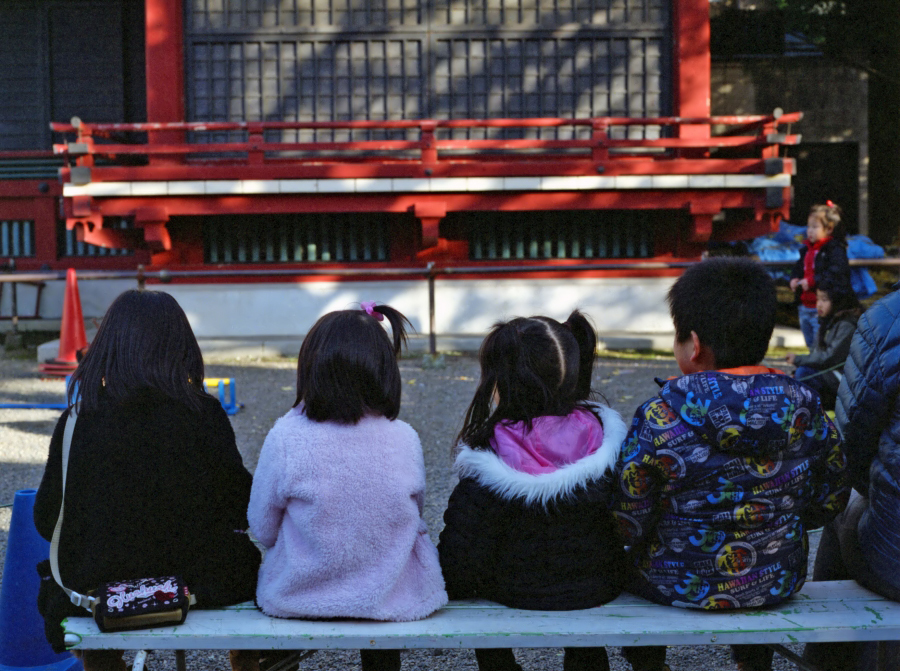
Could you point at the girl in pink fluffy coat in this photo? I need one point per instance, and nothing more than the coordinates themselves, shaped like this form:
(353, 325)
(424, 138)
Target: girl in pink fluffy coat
(338, 492)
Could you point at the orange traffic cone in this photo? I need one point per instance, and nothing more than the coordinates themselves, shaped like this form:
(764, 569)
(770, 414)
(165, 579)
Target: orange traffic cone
(72, 338)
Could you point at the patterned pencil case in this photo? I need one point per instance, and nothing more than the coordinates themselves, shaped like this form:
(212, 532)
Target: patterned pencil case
(139, 604)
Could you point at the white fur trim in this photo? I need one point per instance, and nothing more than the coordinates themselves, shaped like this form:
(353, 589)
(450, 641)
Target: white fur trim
(505, 481)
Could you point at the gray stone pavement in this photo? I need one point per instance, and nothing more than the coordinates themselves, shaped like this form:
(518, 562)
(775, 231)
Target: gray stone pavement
(434, 401)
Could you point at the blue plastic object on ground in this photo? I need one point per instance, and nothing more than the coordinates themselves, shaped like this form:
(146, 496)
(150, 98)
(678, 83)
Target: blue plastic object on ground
(22, 641)
(220, 387)
(40, 406)
(217, 387)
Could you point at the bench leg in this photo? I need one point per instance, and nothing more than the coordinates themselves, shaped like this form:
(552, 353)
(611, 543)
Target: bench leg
(801, 663)
(291, 662)
(139, 660)
(180, 662)
(888, 655)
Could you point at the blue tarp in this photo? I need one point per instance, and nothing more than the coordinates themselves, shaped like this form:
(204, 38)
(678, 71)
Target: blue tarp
(786, 243)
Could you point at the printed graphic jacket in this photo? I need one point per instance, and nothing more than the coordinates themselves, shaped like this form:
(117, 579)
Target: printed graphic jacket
(867, 413)
(536, 533)
(720, 478)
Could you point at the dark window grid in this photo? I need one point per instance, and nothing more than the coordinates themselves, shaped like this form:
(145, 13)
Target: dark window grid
(16, 238)
(412, 101)
(543, 236)
(319, 238)
(236, 15)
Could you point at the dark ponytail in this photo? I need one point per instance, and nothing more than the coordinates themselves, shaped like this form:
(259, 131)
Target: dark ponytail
(347, 367)
(398, 323)
(537, 366)
(586, 338)
(498, 354)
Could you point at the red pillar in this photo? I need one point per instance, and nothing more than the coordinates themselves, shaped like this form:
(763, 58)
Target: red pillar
(165, 65)
(691, 63)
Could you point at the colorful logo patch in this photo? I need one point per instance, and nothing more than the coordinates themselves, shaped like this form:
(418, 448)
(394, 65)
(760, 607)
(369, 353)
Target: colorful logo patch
(754, 514)
(721, 602)
(661, 415)
(736, 559)
(785, 585)
(693, 587)
(800, 422)
(729, 437)
(707, 540)
(631, 448)
(636, 481)
(672, 463)
(762, 467)
(836, 459)
(727, 491)
(694, 412)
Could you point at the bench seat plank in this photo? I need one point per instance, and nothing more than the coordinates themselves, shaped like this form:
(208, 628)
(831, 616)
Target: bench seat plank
(829, 611)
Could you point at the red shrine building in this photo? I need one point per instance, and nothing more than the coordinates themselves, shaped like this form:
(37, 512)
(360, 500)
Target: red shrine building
(281, 158)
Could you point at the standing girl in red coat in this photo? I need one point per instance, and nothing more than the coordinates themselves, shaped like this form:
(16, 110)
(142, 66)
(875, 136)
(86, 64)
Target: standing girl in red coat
(822, 259)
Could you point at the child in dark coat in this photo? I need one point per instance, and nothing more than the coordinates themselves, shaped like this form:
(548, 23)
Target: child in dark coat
(529, 524)
(724, 471)
(822, 369)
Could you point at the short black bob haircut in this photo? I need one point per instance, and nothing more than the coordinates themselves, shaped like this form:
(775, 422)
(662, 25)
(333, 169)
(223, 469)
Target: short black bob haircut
(841, 295)
(843, 302)
(537, 366)
(347, 366)
(144, 342)
(730, 304)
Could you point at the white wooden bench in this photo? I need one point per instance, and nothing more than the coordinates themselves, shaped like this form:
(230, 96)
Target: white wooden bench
(825, 611)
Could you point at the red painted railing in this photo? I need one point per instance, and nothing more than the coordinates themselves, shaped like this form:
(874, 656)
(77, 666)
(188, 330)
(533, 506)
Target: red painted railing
(601, 143)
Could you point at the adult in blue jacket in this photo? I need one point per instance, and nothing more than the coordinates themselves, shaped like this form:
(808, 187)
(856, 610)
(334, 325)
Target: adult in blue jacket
(863, 542)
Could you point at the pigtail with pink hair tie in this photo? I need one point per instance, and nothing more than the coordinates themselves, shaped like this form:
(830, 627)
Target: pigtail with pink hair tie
(369, 307)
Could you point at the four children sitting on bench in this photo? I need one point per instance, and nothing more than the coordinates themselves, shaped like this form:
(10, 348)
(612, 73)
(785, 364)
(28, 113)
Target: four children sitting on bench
(714, 487)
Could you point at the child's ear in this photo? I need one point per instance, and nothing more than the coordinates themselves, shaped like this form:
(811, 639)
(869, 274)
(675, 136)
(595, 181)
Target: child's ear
(697, 346)
(701, 355)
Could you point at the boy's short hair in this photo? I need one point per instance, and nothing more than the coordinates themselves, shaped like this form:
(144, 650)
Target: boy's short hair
(730, 304)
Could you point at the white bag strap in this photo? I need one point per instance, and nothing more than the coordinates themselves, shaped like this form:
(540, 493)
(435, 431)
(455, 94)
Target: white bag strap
(81, 600)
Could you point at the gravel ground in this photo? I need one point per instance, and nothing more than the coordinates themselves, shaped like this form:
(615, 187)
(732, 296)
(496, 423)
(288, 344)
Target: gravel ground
(434, 401)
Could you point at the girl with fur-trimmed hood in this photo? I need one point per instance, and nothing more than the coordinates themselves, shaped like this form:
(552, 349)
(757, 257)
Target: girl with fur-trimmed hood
(528, 525)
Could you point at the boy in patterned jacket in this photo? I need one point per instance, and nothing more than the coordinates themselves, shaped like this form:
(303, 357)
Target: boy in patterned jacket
(722, 474)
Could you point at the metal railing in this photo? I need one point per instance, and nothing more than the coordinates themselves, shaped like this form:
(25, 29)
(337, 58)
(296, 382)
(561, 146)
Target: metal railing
(430, 272)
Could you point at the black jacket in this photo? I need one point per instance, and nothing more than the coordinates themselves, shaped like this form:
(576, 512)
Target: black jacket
(830, 265)
(868, 414)
(541, 542)
(153, 489)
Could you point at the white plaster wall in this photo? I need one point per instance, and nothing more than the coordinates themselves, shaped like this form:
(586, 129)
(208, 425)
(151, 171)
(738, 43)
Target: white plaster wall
(635, 305)
(462, 307)
(271, 311)
(289, 309)
(96, 295)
